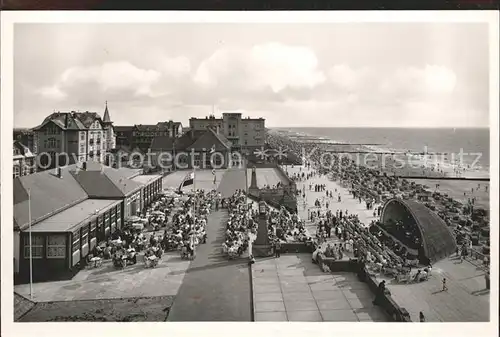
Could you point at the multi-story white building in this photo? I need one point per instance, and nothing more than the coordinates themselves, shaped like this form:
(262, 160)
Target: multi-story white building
(74, 137)
(244, 132)
(24, 160)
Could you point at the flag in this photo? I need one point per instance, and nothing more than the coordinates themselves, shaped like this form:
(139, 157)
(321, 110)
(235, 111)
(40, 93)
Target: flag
(188, 180)
(212, 150)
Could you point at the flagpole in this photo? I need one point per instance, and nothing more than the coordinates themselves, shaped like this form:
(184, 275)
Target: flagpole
(31, 246)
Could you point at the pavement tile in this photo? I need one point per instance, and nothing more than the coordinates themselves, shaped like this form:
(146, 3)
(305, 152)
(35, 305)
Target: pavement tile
(266, 288)
(323, 286)
(290, 296)
(300, 305)
(304, 316)
(374, 314)
(358, 293)
(355, 285)
(259, 273)
(339, 316)
(295, 288)
(269, 306)
(290, 272)
(360, 303)
(272, 316)
(328, 295)
(336, 304)
(266, 280)
(293, 280)
(319, 278)
(268, 297)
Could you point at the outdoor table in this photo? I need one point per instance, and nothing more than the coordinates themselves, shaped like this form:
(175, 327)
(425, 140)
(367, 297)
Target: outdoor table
(97, 261)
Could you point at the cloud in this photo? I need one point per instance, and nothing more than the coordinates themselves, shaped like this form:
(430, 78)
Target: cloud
(112, 77)
(52, 92)
(272, 65)
(431, 80)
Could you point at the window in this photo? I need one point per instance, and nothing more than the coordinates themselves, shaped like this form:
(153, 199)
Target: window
(50, 143)
(36, 246)
(113, 217)
(16, 171)
(100, 224)
(85, 234)
(82, 136)
(76, 241)
(56, 246)
(106, 220)
(93, 231)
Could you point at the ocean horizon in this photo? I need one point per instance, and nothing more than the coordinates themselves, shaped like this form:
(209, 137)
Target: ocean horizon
(473, 142)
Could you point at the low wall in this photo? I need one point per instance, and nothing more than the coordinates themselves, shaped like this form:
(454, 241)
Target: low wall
(393, 310)
(296, 247)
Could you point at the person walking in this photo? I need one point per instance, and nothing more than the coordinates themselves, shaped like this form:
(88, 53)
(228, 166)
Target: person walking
(445, 288)
(277, 248)
(421, 317)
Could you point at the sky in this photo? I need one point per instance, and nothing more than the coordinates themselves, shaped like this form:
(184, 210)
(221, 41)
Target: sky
(308, 75)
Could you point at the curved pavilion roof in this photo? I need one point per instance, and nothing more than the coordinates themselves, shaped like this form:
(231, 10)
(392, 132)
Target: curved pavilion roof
(438, 240)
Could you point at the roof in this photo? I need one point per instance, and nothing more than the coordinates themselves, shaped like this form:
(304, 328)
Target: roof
(74, 216)
(71, 120)
(162, 143)
(100, 181)
(187, 138)
(210, 139)
(146, 179)
(24, 150)
(49, 194)
(438, 240)
(106, 118)
(124, 128)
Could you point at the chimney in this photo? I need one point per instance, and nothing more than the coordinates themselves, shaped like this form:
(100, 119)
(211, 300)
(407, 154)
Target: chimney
(217, 129)
(59, 172)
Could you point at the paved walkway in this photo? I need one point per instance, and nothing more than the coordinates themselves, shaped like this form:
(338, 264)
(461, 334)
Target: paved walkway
(467, 300)
(292, 288)
(107, 282)
(214, 289)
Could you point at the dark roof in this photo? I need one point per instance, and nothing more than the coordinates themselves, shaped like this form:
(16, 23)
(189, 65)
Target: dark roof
(438, 240)
(162, 143)
(210, 139)
(100, 181)
(124, 128)
(71, 120)
(49, 194)
(187, 138)
(23, 149)
(106, 118)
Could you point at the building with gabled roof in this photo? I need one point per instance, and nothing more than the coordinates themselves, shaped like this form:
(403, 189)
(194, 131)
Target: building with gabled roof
(73, 208)
(65, 138)
(24, 161)
(204, 149)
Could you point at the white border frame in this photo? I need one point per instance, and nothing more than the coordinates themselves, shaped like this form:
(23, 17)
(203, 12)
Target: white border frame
(8, 19)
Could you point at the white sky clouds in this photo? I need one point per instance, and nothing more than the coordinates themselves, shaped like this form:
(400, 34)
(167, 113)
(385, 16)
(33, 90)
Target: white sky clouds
(307, 75)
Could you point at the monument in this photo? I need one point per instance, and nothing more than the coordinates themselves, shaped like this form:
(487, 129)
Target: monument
(261, 246)
(253, 183)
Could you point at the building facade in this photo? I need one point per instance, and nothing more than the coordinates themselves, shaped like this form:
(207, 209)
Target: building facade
(72, 210)
(24, 161)
(242, 132)
(143, 135)
(27, 138)
(65, 138)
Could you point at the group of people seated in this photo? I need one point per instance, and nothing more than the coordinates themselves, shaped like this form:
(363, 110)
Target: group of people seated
(241, 226)
(286, 227)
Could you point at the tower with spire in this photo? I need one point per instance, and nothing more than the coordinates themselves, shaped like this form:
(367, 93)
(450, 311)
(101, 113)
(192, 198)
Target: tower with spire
(108, 130)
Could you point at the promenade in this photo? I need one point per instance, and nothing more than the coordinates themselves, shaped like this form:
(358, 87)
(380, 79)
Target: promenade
(292, 288)
(214, 288)
(467, 300)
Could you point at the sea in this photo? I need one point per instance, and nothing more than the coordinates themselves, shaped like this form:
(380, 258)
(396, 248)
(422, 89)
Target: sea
(473, 142)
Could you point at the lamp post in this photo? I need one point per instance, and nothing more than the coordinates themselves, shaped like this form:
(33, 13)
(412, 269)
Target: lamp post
(31, 246)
